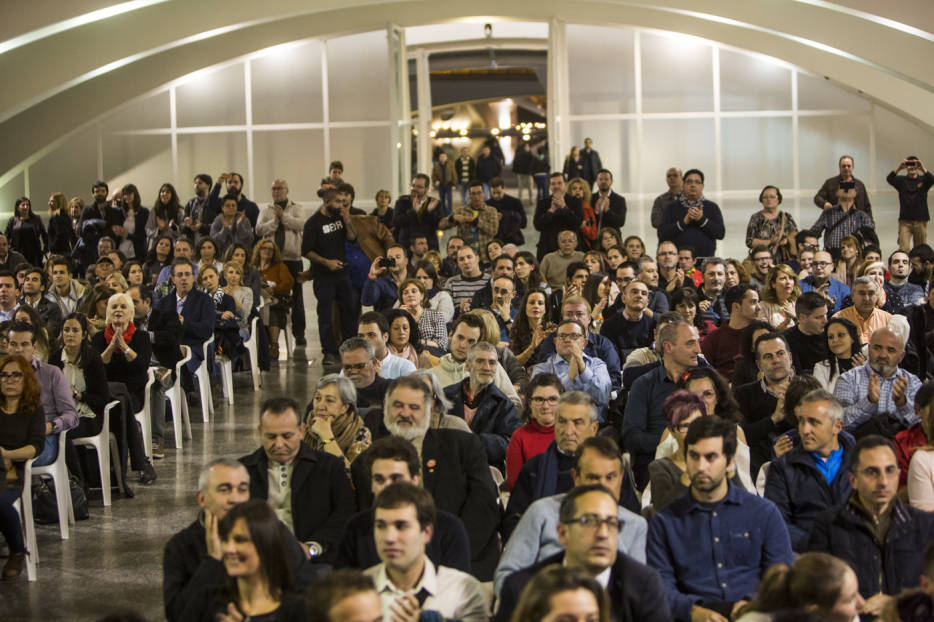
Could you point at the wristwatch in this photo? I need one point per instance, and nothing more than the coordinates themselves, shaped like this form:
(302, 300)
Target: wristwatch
(314, 549)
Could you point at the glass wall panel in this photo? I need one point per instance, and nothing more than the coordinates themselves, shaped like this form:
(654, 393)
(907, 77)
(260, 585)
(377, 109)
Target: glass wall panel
(821, 142)
(362, 150)
(756, 152)
(215, 154)
(12, 190)
(149, 113)
(212, 98)
(897, 138)
(677, 74)
(615, 141)
(358, 77)
(749, 82)
(70, 168)
(683, 143)
(600, 70)
(145, 161)
(295, 156)
(816, 93)
(287, 85)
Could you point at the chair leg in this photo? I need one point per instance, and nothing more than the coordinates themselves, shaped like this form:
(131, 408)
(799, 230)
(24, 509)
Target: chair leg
(115, 459)
(177, 425)
(29, 536)
(103, 461)
(187, 419)
(62, 497)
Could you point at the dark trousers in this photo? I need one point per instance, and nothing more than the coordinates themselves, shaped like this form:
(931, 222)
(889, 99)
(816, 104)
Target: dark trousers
(327, 291)
(298, 301)
(10, 526)
(446, 199)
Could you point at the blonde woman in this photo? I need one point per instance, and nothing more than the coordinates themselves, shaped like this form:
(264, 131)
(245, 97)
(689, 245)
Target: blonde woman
(242, 295)
(277, 284)
(779, 296)
(580, 189)
(62, 237)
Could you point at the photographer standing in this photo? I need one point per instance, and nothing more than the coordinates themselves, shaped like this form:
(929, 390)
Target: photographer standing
(323, 244)
(828, 192)
(912, 190)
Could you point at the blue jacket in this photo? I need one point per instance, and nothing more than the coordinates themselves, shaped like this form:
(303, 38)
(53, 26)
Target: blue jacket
(379, 293)
(887, 567)
(715, 554)
(798, 488)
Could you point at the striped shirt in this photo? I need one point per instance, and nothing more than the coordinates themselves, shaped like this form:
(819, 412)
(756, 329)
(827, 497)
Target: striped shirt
(464, 287)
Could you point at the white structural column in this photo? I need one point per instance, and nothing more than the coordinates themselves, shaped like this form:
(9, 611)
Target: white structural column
(423, 77)
(559, 100)
(399, 109)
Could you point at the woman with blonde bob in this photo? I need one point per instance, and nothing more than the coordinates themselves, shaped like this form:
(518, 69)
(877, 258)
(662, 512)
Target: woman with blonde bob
(779, 296)
(817, 582)
(561, 593)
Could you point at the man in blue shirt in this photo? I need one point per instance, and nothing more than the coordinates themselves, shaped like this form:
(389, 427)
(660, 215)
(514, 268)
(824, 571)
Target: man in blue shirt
(596, 345)
(712, 546)
(812, 477)
(577, 371)
(821, 281)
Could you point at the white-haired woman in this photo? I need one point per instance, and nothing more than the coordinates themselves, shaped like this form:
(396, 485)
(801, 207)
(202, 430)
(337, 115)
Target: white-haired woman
(332, 422)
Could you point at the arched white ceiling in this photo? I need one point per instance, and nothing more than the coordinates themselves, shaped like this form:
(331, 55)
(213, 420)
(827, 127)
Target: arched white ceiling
(62, 81)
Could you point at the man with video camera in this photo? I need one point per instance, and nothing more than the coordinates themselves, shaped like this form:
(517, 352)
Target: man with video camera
(826, 196)
(386, 275)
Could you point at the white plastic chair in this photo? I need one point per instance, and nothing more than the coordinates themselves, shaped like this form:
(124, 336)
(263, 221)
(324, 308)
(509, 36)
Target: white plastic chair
(203, 375)
(762, 477)
(23, 506)
(252, 349)
(289, 339)
(177, 401)
(58, 471)
(226, 367)
(105, 444)
(145, 415)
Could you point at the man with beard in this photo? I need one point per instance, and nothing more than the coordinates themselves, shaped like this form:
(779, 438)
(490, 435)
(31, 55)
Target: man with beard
(454, 469)
(712, 305)
(879, 397)
(360, 364)
(235, 187)
(712, 546)
(609, 208)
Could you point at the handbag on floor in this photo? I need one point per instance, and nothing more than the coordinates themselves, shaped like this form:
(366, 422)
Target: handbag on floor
(45, 505)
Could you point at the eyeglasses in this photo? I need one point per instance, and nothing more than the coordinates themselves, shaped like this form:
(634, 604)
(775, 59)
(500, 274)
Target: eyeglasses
(568, 336)
(538, 399)
(821, 264)
(11, 375)
(278, 188)
(355, 367)
(591, 521)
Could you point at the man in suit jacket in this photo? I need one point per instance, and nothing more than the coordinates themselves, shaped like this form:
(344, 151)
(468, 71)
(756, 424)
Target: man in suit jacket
(195, 311)
(454, 469)
(588, 530)
(308, 489)
(164, 327)
(609, 208)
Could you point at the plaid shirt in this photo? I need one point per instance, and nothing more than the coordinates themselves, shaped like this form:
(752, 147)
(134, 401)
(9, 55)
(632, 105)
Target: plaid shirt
(842, 224)
(853, 392)
(479, 230)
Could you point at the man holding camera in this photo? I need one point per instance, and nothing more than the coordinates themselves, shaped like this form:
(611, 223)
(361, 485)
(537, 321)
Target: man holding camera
(323, 244)
(842, 219)
(827, 194)
(912, 190)
(386, 275)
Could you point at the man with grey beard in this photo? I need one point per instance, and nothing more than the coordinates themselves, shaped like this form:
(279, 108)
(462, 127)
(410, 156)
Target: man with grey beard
(454, 469)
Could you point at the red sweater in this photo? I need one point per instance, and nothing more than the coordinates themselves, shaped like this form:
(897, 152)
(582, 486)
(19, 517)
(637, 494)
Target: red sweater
(526, 442)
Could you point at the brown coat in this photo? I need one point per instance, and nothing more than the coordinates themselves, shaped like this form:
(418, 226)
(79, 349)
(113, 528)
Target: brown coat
(449, 177)
(372, 235)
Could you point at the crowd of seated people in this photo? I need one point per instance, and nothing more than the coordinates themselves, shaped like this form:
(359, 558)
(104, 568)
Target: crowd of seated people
(656, 437)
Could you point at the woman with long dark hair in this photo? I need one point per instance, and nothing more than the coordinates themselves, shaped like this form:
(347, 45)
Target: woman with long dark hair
(530, 327)
(684, 300)
(165, 214)
(22, 437)
(259, 583)
(845, 350)
(85, 374)
(405, 338)
(527, 271)
(160, 255)
(135, 223)
(438, 299)
(26, 233)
